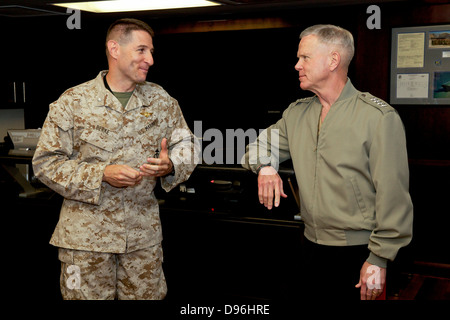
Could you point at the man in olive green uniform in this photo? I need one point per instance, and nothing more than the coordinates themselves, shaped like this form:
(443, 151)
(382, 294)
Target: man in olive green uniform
(349, 154)
(103, 146)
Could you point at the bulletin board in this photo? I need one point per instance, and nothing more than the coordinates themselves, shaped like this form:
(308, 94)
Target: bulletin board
(420, 65)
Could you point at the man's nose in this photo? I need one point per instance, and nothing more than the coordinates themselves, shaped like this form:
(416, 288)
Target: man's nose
(298, 66)
(149, 59)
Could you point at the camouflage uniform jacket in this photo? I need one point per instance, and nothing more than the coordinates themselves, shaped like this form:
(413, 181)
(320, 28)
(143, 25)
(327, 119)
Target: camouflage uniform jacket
(87, 129)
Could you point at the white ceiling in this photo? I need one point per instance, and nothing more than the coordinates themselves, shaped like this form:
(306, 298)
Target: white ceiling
(25, 8)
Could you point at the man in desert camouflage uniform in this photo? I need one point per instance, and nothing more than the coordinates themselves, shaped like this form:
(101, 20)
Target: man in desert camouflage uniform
(103, 145)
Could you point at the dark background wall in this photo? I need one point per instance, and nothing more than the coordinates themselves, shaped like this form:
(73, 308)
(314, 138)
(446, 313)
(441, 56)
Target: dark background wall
(229, 78)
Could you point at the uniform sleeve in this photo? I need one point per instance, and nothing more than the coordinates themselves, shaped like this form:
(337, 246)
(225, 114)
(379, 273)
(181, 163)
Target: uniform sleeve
(184, 149)
(54, 161)
(394, 210)
(271, 147)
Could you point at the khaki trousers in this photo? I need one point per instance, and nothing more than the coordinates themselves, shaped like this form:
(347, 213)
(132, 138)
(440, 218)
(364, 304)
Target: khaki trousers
(106, 276)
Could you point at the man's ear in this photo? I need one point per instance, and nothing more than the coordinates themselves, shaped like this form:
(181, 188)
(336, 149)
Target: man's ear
(113, 48)
(335, 60)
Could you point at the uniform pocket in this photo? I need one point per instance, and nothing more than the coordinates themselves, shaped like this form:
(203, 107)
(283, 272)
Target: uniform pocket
(97, 145)
(65, 256)
(98, 139)
(358, 195)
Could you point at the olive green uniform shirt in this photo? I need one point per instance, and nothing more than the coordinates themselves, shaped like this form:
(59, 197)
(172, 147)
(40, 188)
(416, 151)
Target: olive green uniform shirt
(352, 175)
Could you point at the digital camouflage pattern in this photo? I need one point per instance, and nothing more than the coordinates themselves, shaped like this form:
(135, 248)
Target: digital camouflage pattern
(87, 129)
(92, 275)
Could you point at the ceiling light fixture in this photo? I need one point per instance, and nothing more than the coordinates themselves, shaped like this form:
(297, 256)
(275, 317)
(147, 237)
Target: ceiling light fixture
(134, 5)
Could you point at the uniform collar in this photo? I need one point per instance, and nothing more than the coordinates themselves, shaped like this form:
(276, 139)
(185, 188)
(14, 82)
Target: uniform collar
(107, 98)
(348, 91)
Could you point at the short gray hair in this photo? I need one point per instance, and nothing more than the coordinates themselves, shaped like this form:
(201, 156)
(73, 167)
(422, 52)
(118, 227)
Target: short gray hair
(333, 35)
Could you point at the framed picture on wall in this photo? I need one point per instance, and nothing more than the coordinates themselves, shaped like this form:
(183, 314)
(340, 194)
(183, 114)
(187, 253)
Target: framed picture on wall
(420, 65)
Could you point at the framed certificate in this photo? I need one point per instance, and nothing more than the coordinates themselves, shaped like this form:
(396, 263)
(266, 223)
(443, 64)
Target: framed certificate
(420, 65)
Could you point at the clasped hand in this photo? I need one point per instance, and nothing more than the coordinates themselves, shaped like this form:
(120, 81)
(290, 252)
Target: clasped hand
(120, 175)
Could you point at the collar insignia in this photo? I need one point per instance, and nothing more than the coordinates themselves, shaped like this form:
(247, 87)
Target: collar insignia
(146, 114)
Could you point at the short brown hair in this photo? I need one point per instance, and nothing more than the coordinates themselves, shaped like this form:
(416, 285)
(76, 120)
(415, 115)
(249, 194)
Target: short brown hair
(122, 28)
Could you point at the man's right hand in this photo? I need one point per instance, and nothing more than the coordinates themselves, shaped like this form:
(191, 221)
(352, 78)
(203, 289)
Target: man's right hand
(120, 175)
(270, 187)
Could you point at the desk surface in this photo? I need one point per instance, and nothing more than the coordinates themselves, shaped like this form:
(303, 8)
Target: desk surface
(5, 158)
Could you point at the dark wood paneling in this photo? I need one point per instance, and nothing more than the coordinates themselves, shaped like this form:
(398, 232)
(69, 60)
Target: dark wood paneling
(427, 127)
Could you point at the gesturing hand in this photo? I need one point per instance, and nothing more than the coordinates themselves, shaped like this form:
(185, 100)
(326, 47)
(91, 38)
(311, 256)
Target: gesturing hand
(158, 167)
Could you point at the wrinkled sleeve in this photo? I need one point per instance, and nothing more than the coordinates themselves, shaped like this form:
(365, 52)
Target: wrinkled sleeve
(54, 162)
(394, 210)
(271, 147)
(184, 149)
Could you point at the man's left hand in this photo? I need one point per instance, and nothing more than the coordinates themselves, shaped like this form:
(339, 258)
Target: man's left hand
(371, 281)
(158, 167)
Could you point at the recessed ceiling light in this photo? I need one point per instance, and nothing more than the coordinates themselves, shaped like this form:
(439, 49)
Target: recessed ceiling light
(135, 5)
